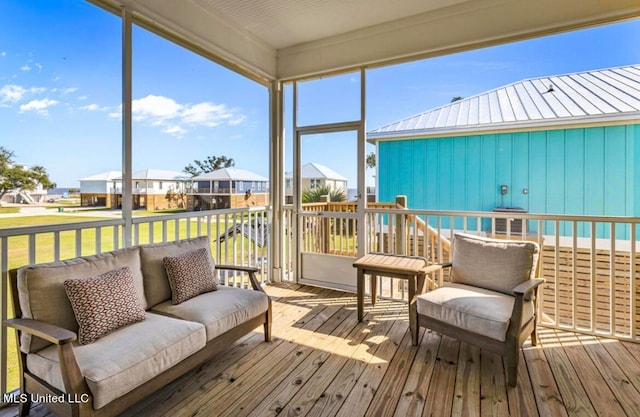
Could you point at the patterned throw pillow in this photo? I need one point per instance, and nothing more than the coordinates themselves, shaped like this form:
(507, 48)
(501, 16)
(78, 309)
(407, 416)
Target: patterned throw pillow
(190, 274)
(104, 303)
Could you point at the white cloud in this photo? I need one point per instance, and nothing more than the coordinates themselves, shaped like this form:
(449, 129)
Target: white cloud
(175, 130)
(11, 93)
(3, 54)
(70, 90)
(165, 112)
(154, 109)
(94, 107)
(39, 66)
(83, 98)
(25, 68)
(206, 114)
(39, 106)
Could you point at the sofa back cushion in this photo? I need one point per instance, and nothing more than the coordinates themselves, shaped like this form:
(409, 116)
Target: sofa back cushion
(42, 295)
(156, 282)
(494, 264)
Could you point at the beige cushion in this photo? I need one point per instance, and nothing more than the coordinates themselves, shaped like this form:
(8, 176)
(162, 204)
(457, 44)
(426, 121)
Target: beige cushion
(474, 309)
(104, 303)
(496, 264)
(42, 295)
(220, 310)
(156, 282)
(121, 360)
(189, 274)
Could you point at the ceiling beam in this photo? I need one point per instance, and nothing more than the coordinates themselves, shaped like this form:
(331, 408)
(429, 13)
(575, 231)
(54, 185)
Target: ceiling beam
(465, 26)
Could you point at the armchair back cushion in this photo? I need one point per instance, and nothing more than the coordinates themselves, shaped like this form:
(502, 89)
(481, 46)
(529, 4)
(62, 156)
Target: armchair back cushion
(494, 264)
(43, 297)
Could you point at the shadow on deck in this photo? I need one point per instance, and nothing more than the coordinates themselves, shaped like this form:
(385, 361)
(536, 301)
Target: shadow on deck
(322, 362)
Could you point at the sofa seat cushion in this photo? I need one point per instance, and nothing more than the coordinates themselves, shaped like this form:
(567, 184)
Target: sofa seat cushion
(126, 358)
(471, 308)
(42, 295)
(219, 311)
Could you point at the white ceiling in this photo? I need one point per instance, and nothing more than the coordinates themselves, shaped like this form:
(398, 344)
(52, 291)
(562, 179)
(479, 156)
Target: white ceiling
(282, 24)
(288, 39)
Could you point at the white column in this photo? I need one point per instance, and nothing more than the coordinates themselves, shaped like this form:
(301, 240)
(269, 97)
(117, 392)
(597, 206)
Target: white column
(127, 186)
(276, 181)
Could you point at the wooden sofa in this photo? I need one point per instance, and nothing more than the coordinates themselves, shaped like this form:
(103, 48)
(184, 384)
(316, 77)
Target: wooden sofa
(107, 376)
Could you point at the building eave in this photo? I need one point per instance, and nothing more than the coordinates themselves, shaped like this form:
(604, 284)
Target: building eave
(555, 124)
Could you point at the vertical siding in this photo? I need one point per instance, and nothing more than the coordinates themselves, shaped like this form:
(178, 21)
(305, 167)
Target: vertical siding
(567, 171)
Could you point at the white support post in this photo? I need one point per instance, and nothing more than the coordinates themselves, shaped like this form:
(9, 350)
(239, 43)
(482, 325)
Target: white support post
(276, 173)
(127, 186)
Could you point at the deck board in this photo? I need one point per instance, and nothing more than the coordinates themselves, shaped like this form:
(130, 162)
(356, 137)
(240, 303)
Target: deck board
(323, 362)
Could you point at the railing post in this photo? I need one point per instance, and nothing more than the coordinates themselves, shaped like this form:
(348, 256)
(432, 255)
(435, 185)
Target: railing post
(401, 226)
(326, 227)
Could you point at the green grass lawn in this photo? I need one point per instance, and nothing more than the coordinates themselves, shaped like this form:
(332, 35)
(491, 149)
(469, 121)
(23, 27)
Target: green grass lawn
(9, 210)
(18, 251)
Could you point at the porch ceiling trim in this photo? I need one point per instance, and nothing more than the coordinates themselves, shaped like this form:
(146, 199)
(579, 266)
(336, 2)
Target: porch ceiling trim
(458, 26)
(465, 26)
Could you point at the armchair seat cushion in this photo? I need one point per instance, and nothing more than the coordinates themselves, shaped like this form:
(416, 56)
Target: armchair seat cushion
(121, 361)
(234, 306)
(474, 309)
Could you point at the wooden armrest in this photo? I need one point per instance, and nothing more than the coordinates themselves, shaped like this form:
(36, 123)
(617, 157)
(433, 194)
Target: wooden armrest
(435, 267)
(527, 286)
(71, 375)
(49, 332)
(240, 268)
(251, 270)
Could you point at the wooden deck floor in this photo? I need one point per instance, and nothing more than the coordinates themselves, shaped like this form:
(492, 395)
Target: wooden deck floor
(322, 362)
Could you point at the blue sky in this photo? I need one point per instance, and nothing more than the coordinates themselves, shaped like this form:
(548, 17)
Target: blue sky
(60, 92)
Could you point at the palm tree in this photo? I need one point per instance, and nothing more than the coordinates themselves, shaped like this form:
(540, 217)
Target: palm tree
(313, 195)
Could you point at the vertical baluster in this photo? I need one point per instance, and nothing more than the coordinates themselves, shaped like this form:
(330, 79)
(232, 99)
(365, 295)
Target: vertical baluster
(56, 245)
(633, 281)
(556, 271)
(164, 230)
(78, 245)
(151, 231)
(593, 278)
(574, 272)
(612, 275)
(98, 239)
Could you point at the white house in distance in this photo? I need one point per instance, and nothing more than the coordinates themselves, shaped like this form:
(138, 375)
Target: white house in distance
(227, 188)
(100, 189)
(25, 196)
(152, 189)
(315, 175)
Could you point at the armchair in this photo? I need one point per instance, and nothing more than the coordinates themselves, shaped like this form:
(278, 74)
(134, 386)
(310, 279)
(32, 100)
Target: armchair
(490, 300)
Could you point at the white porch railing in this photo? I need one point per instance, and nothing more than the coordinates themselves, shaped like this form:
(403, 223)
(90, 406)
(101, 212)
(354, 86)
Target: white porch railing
(591, 263)
(237, 237)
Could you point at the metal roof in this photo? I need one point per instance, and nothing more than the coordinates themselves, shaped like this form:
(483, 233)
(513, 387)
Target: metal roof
(316, 170)
(226, 174)
(158, 174)
(606, 95)
(104, 176)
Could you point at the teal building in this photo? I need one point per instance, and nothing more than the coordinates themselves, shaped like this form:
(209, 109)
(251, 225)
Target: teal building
(566, 144)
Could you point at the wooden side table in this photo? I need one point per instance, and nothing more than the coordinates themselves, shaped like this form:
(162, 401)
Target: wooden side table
(412, 268)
